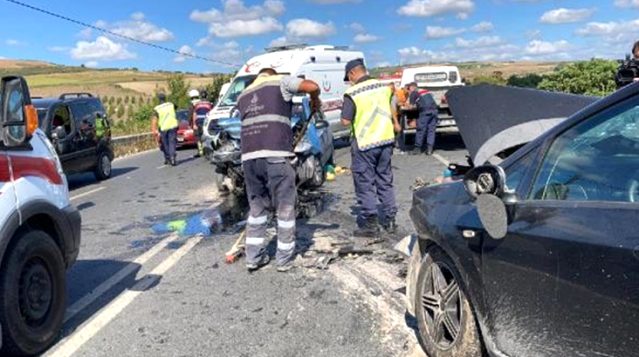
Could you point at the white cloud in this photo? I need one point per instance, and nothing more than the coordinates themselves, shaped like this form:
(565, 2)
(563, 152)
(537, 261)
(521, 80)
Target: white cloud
(102, 48)
(484, 26)
(357, 27)
(566, 16)
(281, 41)
(92, 64)
(615, 31)
(327, 2)
(236, 19)
(58, 49)
(427, 8)
(230, 52)
(481, 42)
(365, 38)
(185, 53)
(538, 47)
(436, 32)
(236, 10)
(533, 34)
(137, 27)
(14, 42)
(239, 28)
(306, 28)
(627, 3)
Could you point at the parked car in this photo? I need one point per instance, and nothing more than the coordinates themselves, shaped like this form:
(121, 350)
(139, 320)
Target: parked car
(538, 255)
(185, 135)
(39, 228)
(77, 125)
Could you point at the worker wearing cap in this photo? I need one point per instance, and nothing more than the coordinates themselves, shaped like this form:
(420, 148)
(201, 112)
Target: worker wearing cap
(164, 125)
(423, 101)
(198, 110)
(368, 111)
(265, 109)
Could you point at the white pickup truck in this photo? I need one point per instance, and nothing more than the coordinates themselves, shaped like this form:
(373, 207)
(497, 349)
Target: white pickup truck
(437, 80)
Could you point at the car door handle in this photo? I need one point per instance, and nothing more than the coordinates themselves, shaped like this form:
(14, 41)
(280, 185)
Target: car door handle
(469, 233)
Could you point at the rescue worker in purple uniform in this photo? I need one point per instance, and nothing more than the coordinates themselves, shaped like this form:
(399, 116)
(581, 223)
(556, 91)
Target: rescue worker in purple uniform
(267, 147)
(368, 111)
(423, 101)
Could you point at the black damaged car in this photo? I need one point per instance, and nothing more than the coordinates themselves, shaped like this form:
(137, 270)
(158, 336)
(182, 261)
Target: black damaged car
(538, 254)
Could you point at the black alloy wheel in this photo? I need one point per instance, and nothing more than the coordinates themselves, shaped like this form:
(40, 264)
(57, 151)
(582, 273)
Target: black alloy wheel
(446, 322)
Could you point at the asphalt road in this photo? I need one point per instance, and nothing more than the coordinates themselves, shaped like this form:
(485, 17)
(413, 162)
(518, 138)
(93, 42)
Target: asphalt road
(139, 290)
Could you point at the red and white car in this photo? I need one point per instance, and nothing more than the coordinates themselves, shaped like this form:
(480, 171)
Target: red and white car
(39, 228)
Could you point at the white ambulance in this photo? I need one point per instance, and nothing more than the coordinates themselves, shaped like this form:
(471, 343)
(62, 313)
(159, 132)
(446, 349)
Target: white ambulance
(39, 228)
(323, 64)
(437, 80)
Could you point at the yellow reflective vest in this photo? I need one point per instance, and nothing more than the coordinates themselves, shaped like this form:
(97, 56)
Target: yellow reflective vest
(373, 124)
(167, 119)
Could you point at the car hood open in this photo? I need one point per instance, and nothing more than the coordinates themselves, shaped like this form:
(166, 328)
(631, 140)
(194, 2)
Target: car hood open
(493, 119)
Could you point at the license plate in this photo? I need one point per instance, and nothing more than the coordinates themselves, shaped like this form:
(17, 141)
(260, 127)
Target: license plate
(180, 140)
(446, 122)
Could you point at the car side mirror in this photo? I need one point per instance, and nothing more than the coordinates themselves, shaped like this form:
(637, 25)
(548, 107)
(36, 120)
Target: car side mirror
(487, 184)
(59, 133)
(487, 179)
(18, 117)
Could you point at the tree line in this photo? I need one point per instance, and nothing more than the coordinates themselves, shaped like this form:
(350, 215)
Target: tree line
(595, 77)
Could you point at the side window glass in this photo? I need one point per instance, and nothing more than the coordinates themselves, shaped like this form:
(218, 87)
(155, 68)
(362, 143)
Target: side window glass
(516, 172)
(596, 160)
(62, 119)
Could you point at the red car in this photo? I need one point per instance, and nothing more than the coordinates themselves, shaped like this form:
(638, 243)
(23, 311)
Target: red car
(185, 135)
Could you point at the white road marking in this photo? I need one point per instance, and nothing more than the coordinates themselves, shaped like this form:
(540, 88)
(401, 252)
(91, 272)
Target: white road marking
(88, 330)
(441, 159)
(115, 279)
(87, 193)
(161, 167)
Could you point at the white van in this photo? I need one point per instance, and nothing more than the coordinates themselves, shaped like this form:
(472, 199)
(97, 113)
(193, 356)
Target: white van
(39, 228)
(437, 80)
(323, 64)
(225, 87)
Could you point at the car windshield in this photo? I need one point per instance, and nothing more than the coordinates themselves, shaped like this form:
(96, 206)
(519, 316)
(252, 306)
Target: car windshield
(236, 88)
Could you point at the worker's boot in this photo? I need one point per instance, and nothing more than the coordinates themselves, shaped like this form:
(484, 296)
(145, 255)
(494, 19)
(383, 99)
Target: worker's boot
(262, 262)
(369, 229)
(173, 162)
(416, 151)
(429, 150)
(390, 226)
(167, 162)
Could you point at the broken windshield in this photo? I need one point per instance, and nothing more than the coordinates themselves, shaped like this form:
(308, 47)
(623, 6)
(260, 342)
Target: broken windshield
(236, 88)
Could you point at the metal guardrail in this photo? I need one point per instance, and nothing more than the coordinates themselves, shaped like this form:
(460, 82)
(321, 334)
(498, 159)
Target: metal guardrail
(128, 139)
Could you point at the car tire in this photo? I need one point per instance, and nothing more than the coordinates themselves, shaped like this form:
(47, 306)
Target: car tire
(32, 294)
(445, 319)
(103, 167)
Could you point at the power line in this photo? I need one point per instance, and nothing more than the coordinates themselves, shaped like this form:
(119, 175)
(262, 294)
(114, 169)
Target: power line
(129, 38)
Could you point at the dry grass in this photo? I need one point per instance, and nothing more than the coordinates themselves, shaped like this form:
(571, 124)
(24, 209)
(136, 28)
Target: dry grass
(507, 69)
(153, 86)
(21, 64)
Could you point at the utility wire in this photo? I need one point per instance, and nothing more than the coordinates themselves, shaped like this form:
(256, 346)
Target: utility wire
(129, 38)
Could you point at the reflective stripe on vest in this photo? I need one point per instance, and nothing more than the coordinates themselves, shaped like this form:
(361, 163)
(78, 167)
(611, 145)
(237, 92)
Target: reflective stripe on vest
(167, 118)
(373, 124)
(266, 124)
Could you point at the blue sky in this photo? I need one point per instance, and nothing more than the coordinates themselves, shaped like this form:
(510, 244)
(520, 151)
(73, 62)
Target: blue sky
(389, 32)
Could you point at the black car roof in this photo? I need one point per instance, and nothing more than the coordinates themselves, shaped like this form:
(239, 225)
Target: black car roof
(45, 103)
